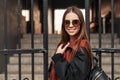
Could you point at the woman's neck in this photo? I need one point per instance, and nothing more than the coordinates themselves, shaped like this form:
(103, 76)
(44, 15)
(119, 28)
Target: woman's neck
(73, 38)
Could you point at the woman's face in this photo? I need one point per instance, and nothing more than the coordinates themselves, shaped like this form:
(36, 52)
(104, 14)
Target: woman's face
(72, 24)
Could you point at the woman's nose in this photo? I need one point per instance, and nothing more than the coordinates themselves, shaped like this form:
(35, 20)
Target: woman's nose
(71, 25)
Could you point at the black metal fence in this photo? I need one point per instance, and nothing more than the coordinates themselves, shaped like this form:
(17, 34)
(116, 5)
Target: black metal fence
(101, 50)
(6, 52)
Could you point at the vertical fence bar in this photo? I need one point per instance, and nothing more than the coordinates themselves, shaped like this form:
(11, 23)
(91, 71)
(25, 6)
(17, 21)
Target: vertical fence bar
(5, 24)
(45, 37)
(5, 36)
(32, 35)
(112, 37)
(19, 36)
(87, 6)
(99, 21)
(32, 23)
(53, 28)
(19, 21)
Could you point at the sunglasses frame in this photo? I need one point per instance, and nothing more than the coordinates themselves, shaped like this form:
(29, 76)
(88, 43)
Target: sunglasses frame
(75, 23)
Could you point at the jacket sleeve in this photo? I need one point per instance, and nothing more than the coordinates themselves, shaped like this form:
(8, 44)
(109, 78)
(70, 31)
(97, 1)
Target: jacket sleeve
(77, 69)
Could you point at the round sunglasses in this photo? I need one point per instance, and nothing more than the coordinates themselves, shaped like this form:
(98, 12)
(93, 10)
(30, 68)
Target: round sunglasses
(75, 23)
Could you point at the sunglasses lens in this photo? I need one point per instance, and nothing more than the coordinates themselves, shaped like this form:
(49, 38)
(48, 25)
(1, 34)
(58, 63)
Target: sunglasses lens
(75, 22)
(66, 22)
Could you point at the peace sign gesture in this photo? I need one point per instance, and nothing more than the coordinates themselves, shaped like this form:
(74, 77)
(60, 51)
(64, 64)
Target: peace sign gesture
(60, 49)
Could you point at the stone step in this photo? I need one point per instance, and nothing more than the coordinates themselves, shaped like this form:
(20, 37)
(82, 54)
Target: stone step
(107, 60)
(57, 40)
(102, 36)
(53, 46)
(25, 68)
(40, 35)
(28, 60)
(109, 55)
(107, 70)
(115, 75)
(105, 46)
(58, 35)
(23, 76)
(50, 53)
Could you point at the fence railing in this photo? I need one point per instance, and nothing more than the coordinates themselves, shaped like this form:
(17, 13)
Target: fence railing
(101, 50)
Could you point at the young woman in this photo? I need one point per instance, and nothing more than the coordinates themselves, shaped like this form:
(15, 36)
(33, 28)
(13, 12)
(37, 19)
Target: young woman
(73, 58)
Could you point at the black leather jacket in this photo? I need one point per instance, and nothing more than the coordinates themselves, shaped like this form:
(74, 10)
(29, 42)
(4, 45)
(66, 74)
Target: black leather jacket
(77, 69)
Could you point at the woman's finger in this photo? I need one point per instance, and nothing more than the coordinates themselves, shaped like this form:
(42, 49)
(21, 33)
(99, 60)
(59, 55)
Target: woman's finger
(66, 46)
(60, 46)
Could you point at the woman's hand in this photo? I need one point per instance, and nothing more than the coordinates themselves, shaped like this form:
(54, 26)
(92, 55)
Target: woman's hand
(60, 49)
